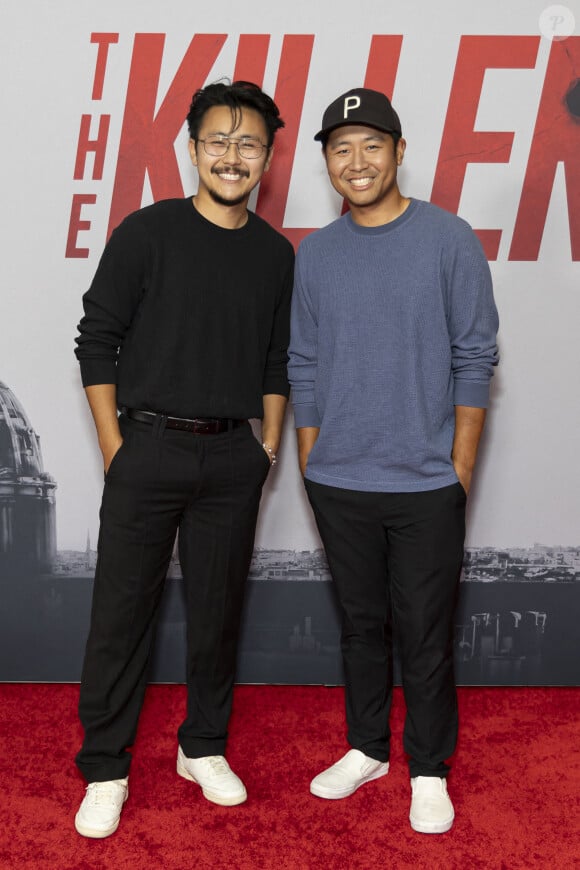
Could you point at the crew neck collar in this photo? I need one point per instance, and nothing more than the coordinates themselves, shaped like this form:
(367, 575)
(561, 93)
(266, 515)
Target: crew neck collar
(382, 229)
(230, 230)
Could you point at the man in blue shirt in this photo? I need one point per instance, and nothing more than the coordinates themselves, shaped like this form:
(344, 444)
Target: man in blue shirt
(393, 344)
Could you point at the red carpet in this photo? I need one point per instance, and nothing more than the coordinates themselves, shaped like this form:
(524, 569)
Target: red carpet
(515, 784)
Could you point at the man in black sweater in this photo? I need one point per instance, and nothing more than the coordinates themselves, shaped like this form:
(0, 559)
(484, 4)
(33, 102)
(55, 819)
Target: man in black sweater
(185, 332)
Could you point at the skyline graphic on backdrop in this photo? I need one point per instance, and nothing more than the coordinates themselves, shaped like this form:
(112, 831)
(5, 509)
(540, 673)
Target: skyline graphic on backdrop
(512, 621)
(538, 564)
(515, 622)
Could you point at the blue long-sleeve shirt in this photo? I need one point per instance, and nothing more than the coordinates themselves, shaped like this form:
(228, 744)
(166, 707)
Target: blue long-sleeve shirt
(392, 326)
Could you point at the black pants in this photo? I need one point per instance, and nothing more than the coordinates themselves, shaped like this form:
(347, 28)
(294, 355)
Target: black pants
(160, 482)
(395, 559)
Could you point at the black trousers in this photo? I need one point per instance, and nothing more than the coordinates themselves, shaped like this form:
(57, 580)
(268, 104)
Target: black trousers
(395, 559)
(162, 481)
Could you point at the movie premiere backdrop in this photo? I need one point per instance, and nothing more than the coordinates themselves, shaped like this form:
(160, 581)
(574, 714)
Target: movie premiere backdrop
(94, 97)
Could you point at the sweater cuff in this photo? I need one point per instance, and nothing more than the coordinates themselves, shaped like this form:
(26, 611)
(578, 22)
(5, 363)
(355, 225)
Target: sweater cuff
(276, 386)
(306, 416)
(472, 394)
(98, 371)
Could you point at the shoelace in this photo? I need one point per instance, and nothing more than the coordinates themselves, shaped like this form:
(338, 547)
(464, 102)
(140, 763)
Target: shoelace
(217, 764)
(102, 794)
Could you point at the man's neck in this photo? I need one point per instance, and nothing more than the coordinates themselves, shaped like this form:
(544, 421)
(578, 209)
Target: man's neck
(380, 213)
(229, 217)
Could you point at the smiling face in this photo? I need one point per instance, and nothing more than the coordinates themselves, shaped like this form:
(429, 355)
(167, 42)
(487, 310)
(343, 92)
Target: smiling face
(228, 181)
(362, 165)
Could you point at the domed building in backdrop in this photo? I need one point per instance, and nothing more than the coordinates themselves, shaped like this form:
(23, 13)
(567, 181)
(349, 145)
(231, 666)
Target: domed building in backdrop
(27, 502)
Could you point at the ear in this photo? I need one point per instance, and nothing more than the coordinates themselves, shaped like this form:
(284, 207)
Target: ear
(269, 158)
(400, 152)
(192, 151)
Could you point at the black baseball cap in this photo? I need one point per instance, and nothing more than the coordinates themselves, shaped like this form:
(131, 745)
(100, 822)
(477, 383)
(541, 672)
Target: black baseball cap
(360, 106)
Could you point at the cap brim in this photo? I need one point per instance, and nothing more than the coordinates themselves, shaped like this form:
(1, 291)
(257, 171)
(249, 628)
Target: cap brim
(327, 130)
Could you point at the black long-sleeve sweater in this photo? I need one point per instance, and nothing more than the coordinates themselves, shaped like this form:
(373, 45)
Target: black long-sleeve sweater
(187, 318)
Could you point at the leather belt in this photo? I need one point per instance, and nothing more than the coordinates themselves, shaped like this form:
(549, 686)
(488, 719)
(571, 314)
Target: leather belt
(197, 426)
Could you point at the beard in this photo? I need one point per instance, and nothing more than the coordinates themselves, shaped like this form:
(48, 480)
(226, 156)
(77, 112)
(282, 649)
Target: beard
(222, 200)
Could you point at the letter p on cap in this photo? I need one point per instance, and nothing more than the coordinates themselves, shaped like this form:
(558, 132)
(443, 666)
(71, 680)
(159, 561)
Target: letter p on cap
(350, 104)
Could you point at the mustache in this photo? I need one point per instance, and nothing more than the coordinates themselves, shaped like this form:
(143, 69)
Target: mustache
(243, 172)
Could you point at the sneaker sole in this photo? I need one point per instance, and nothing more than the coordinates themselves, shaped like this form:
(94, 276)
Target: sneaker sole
(334, 794)
(433, 827)
(210, 795)
(95, 833)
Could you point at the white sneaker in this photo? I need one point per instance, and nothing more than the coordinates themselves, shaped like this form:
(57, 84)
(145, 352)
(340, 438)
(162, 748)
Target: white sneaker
(100, 811)
(348, 774)
(431, 808)
(218, 782)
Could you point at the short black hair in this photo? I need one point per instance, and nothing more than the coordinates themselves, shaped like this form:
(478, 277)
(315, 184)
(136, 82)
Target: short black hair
(237, 96)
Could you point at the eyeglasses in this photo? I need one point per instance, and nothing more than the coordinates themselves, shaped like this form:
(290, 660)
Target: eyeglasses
(218, 146)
